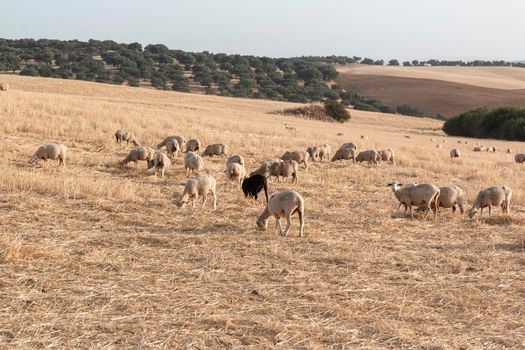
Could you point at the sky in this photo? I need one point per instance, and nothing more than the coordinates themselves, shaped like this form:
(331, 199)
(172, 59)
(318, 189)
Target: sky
(401, 29)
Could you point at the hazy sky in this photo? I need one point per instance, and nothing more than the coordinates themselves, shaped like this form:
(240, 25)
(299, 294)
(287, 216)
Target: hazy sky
(402, 29)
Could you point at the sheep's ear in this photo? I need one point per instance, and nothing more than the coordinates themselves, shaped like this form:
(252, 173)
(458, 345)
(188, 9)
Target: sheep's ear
(389, 185)
(400, 184)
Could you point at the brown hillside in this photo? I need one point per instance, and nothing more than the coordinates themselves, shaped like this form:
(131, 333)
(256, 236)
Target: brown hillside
(430, 96)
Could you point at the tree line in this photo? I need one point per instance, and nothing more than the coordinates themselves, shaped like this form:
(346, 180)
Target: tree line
(298, 79)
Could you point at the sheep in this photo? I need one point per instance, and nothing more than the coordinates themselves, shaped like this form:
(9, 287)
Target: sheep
(421, 195)
(449, 197)
(4, 86)
(193, 145)
(340, 134)
(459, 141)
(285, 168)
(235, 172)
(138, 153)
(319, 152)
(264, 168)
(454, 153)
(235, 159)
(479, 149)
(50, 151)
(290, 127)
(216, 149)
(519, 158)
(180, 140)
(173, 148)
(298, 156)
(344, 153)
(492, 196)
(432, 139)
(349, 145)
(509, 150)
(123, 135)
(370, 156)
(387, 155)
(283, 204)
(160, 162)
(492, 149)
(251, 186)
(193, 163)
(439, 146)
(199, 186)
(407, 136)
(364, 137)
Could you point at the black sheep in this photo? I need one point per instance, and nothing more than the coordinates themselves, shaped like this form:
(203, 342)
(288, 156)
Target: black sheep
(251, 186)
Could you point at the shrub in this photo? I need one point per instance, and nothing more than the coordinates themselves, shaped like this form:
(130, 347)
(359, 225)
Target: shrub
(409, 110)
(337, 111)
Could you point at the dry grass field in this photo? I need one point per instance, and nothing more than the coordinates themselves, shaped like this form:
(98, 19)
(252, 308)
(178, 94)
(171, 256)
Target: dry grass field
(445, 90)
(98, 256)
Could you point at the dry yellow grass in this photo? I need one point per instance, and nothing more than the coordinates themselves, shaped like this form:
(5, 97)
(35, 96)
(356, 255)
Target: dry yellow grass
(95, 256)
(505, 78)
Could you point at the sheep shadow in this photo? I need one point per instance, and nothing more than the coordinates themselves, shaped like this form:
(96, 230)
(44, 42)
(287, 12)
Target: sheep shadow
(511, 247)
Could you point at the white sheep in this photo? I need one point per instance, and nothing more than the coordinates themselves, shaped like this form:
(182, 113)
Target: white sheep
(264, 168)
(349, 145)
(420, 195)
(298, 156)
(193, 163)
(344, 153)
(235, 159)
(160, 162)
(124, 135)
(387, 155)
(193, 145)
(235, 173)
(319, 152)
(180, 140)
(492, 196)
(138, 153)
(479, 149)
(199, 186)
(450, 196)
(509, 150)
(370, 156)
(4, 86)
(172, 148)
(50, 151)
(439, 146)
(454, 153)
(284, 168)
(216, 149)
(283, 204)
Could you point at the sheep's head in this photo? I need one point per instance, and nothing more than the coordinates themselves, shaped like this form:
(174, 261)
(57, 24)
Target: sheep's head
(394, 185)
(151, 163)
(262, 221)
(471, 213)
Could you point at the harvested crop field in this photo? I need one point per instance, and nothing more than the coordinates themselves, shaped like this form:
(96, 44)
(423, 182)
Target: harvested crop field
(94, 255)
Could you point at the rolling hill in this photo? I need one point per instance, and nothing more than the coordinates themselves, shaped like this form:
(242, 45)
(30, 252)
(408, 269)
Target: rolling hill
(96, 255)
(444, 90)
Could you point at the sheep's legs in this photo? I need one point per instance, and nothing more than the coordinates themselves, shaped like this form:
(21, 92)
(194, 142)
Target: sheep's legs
(204, 200)
(193, 201)
(411, 213)
(278, 225)
(490, 210)
(288, 224)
(214, 200)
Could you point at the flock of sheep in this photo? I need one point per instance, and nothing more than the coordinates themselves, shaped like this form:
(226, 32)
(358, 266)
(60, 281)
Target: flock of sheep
(425, 197)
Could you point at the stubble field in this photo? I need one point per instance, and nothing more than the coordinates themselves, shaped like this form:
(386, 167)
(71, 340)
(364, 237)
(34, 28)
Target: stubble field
(98, 256)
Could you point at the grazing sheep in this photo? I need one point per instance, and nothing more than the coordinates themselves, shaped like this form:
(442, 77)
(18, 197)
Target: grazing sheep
(285, 168)
(283, 204)
(344, 153)
(439, 146)
(459, 141)
(235, 172)
(180, 140)
(199, 186)
(489, 197)
(4, 86)
(264, 168)
(50, 151)
(387, 155)
(364, 137)
(172, 148)
(319, 152)
(251, 186)
(421, 195)
(235, 159)
(479, 149)
(370, 156)
(193, 163)
(349, 145)
(340, 134)
(449, 197)
(289, 127)
(123, 135)
(216, 149)
(491, 149)
(432, 139)
(193, 145)
(455, 153)
(509, 150)
(138, 153)
(519, 158)
(407, 136)
(298, 156)
(160, 162)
